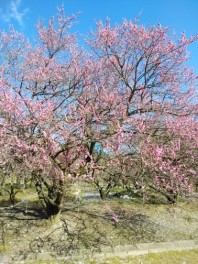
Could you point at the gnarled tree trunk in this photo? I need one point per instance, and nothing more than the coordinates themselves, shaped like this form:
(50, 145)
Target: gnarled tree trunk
(50, 195)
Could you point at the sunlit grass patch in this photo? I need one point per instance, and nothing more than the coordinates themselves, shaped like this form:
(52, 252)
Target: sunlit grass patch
(174, 257)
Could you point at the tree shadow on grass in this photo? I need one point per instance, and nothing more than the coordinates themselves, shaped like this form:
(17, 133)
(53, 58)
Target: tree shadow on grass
(34, 212)
(83, 229)
(18, 225)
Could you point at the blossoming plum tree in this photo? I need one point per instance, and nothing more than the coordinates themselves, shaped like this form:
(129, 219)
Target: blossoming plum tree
(170, 158)
(39, 127)
(61, 106)
(149, 92)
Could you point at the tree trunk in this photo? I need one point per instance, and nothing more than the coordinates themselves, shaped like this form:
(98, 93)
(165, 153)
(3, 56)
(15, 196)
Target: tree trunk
(172, 198)
(103, 193)
(52, 209)
(2, 186)
(52, 199)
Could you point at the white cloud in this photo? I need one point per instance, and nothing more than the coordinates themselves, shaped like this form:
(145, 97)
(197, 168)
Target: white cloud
(13, 12)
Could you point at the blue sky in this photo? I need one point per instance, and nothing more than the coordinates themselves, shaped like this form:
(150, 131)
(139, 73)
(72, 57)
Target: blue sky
(179, 15)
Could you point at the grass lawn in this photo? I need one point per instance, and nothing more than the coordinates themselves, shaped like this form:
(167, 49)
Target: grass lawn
(91, 226)
(175, 257)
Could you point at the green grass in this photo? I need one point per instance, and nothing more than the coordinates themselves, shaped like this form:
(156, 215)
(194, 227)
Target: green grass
(42, 262)
(174, 257)
(2, 247)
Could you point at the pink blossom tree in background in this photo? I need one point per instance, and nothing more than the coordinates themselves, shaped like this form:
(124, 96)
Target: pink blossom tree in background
(149, 88)
(170, 158)
(69, 113)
